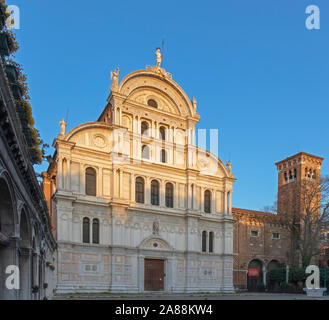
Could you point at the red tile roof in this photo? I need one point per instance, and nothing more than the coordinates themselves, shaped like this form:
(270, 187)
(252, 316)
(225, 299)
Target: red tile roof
(247, 211)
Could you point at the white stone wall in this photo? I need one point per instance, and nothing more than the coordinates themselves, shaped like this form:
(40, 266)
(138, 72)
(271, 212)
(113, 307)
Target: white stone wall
(127, 234)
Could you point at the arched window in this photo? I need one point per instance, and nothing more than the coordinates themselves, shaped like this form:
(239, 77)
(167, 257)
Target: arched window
(144, 128)
(314, 174)
(162, 133)
(145, 152)
(310, 173)
(204, 241)
(91, 181)
(95, 231)
(139, 190)
(155, 192)
(152, 103)
(211, 241)
(295, 173)
(285, 177)
(169, 195)
(86, 230)
(290, 175)
(305, 172)
(163, 156)
(207, 201)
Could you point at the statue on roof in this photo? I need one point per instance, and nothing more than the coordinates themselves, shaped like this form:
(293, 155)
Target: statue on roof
(159, 57)
(194, 103)
(157, 68)
(62, 125)
(115, 79)
(228, 165)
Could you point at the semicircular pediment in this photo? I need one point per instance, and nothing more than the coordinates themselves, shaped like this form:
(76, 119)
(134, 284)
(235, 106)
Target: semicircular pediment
(154, 243)
(94, 135)
(164, 102)
(143, 84)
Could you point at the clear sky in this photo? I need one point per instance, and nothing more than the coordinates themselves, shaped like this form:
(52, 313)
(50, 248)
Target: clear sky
(258, 74)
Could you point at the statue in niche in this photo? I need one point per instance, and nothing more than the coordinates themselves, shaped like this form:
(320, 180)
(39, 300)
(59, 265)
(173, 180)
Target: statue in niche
(156, 228)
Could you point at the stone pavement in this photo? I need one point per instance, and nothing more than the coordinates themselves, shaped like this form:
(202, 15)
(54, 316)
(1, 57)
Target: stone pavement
(187, 296)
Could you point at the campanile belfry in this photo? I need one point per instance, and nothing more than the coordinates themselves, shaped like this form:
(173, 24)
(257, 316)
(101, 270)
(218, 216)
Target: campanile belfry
(292, 173)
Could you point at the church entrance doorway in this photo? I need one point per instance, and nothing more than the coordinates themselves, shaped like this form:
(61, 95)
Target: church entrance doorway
(153, 275)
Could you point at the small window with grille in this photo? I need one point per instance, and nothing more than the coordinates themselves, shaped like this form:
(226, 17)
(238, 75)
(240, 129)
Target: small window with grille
(254, 233)
(275, 235)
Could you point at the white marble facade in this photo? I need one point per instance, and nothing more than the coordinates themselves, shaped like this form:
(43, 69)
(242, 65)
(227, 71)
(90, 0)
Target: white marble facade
(129, 231)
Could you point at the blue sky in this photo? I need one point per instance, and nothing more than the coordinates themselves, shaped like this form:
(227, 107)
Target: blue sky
(258, 74)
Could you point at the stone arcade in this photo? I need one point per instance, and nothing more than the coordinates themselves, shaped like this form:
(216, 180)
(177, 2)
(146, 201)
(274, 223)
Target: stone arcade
(135, 205)
(26, 241)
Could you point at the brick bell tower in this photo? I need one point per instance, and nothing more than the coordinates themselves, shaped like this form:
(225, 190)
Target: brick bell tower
(291, 173)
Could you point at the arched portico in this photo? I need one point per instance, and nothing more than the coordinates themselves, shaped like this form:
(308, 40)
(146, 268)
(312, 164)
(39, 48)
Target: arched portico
(8, 246)
(25, 256)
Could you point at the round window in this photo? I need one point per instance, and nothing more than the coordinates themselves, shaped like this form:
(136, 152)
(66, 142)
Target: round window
(152, 103)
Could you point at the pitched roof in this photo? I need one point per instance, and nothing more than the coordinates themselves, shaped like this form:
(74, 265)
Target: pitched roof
(252, 212)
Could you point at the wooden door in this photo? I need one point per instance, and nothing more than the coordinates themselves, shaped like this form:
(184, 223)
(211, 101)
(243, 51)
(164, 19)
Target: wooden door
(153, 275)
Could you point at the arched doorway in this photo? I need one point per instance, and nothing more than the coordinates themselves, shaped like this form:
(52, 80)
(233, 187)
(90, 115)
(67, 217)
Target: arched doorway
(255, 275)
(7, 230)
(273, 264)
(24, 257)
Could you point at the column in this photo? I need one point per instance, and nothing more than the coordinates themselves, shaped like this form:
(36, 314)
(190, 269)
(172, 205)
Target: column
(147, 190)
(120, 116)
(189, 198)
(225, 202)
(24, 270)
(133, 124)
(152, 133)
(162, 194)
(120, 182)
(156, 130)
(132, 189)
(35, 270)
(176, 194)
(139, 125)
(114, 114)
(81, 180)
(114, 183)
(193, 197)
(68, 175)
(170, 276)
(99, 190)
(140, 274)
(264, 275)
(60, 173)
(230, 203)
(213, 201)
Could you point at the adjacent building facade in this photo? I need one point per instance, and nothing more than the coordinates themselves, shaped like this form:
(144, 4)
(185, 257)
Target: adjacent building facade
(27, 246)
(135, 205)
(262, 240)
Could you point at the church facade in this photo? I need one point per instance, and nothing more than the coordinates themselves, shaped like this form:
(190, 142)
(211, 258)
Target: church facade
(135, 205)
